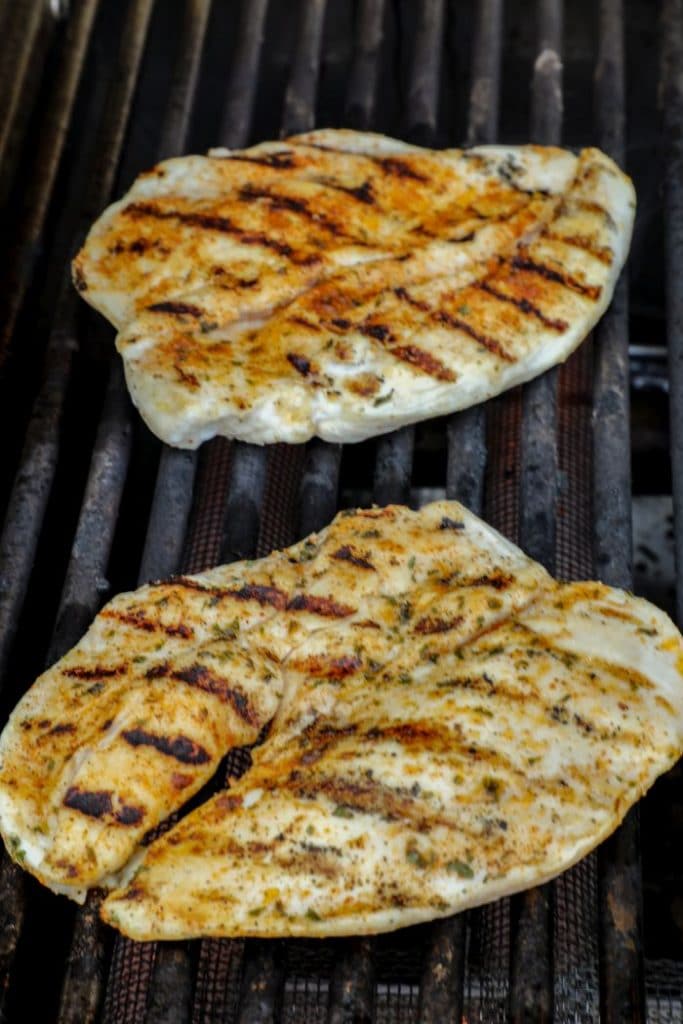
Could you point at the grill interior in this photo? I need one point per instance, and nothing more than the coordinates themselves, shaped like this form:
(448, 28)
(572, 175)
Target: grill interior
(90, 94)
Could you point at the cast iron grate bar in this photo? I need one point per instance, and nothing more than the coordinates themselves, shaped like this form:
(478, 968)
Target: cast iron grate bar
(19, 263)
(352, 985)
(263, 967)
(84, 976)
(31, 490)
(442, 981)
(466, 430)
(21, 29)
(320, 480)
(172, 971)
(671, 95)
(394, 456)
(85, 969)
(622, 989)
(84, 586)
(26, 508)
(531, 987)
(28, 501)
(364, 74)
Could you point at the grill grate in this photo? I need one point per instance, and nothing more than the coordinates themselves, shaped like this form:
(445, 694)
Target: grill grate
(548, 464)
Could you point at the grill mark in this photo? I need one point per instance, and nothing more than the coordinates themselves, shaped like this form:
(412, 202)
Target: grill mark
(176, 308)
(451, 524)
(190, 379)
(424, 361)
(590, 291)
(433, 624)
(211, 222)
(404, 294)
(346, 554)
(399, 168)
(204, 679)
(324, 606)
(303, 322)
(363, 193)
(129, 815)
(442, 317)
(139, 621)
(181, 748)
(139, 246)
(491, 344)
(602, 253)
(61, 728)
(93, 803)
(249, 592)
(380, 332)
(333, 668)
(499, 581)
(300, 363)
(300, 207)
(264, 595)
(281, 160)
(99, 672)
(525, 306)
(412, 354)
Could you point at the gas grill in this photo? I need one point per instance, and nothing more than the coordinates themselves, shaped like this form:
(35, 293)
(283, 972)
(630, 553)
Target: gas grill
(93, 92)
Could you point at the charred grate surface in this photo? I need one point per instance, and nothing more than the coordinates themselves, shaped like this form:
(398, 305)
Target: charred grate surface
(94, 504)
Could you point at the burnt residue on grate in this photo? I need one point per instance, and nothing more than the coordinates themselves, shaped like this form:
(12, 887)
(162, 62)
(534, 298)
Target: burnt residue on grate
(92, 502)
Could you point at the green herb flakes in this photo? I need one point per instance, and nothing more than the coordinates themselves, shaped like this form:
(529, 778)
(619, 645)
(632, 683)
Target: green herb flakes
(459, 867)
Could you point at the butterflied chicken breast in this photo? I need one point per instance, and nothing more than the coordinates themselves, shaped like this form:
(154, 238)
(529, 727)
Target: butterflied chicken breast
(132, 721)
(342, 284)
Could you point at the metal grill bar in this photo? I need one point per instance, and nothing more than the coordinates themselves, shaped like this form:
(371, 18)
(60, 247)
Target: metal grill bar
(441, 988)
(425, 77)
(248, 462)
(531, 992)
(672, 105)
(362, 89)
(622, 990)
(298, 114)
(263, 968)
(239, 105)
(26, 509)
(244, 502)
(466, 431)
(21, 28)
(50, 144)
(352, 986)
(86, 582)
(395, 451)
(172, 978)
(320, 481)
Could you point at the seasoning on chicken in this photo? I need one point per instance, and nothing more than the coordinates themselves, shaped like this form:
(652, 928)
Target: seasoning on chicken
(342, 284)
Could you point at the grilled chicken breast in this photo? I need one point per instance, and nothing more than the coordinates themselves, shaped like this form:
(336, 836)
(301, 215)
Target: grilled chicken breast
(132, 721)
(447, 724)
(422, 763)
(342, 284)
